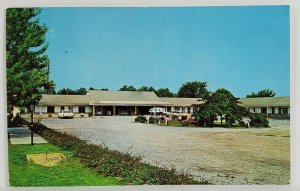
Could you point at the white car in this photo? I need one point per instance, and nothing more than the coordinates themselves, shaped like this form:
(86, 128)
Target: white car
(66, 114)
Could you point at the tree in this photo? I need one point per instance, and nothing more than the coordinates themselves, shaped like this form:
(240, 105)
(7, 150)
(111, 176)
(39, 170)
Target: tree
(26, 61)
(146, 89)
(127, 88)
(196, 89)
(220, 103)
(262, 93)
(49, 88)
(206, 115)
(164, 92)
(66, 91)
(81, 91)
(225, 104)
(69, 91)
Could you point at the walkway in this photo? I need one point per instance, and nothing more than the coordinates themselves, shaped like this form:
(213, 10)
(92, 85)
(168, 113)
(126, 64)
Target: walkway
(22, 135)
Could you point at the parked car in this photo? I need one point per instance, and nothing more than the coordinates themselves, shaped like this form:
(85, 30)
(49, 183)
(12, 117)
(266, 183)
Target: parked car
(66, 114)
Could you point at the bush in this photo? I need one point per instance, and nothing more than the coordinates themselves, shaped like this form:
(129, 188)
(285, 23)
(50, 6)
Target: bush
(152, 120)
(259, 120)
(141, 119)
(114, 163)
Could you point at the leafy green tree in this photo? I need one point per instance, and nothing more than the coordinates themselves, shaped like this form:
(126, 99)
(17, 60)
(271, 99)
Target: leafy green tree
(225, 104)
(26, 61)
(146, 89)
(262, 93)
(220, 103)
(69, 91)
(49, 88)
(66, 91)
(81, 91)
(127, 88)
(206, 115)
(164, 92)
(151, 89)
(104, 89)
(196, 89)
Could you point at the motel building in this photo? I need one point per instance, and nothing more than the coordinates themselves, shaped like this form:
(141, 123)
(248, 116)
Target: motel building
(113, 103)
(274, 107)
(107, 103)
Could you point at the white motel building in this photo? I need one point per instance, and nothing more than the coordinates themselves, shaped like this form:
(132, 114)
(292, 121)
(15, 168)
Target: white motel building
(102, 103)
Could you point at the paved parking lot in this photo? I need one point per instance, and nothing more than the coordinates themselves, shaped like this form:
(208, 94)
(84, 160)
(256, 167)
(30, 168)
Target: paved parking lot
(220, 155)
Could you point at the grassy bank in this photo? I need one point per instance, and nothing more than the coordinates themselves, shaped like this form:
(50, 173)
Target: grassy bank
(67, 173)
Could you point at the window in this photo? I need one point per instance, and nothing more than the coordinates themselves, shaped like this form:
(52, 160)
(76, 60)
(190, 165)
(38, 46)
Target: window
(273, 110)
(279, 110)
(263, 110)
(177, 109)
(285, 111)
(195, 109)
(81, 109)
(50, 109)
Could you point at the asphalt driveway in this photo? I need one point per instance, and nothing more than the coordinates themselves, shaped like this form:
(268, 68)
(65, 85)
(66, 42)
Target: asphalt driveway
(220, 155)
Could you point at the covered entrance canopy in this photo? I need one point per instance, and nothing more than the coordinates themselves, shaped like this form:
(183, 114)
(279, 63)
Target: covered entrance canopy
(124, 102)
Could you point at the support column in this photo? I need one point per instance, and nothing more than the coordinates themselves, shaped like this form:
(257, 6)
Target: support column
(114, 110)
(93, 110)
(135, 110)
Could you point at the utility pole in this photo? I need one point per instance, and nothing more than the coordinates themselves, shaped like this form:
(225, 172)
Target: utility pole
(31, 123)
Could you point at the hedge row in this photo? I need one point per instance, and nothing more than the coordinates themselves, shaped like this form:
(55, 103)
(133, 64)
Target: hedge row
(109, 162)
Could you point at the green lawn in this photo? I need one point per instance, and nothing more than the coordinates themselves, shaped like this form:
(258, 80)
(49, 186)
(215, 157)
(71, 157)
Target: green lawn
(68, 173)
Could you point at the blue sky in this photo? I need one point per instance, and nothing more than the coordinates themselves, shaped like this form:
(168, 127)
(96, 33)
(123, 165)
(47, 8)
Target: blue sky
(242, 49)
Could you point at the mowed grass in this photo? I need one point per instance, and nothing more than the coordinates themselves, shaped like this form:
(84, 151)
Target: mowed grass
(67, 173)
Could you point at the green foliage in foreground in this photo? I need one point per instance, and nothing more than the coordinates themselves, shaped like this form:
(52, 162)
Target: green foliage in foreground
(26, 62)
(114, 163)
(68, 173)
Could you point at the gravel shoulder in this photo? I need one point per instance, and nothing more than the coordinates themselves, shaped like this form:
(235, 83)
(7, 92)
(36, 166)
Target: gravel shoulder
(219, 155)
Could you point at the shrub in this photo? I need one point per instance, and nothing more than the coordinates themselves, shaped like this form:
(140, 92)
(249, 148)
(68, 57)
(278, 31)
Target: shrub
(259, 120)
(141, 119)
(152, 120)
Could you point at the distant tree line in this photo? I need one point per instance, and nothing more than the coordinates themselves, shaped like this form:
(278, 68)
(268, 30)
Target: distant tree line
(195, 89)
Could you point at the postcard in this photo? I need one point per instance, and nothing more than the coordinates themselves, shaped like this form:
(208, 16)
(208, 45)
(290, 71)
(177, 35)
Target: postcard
(101, 96)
